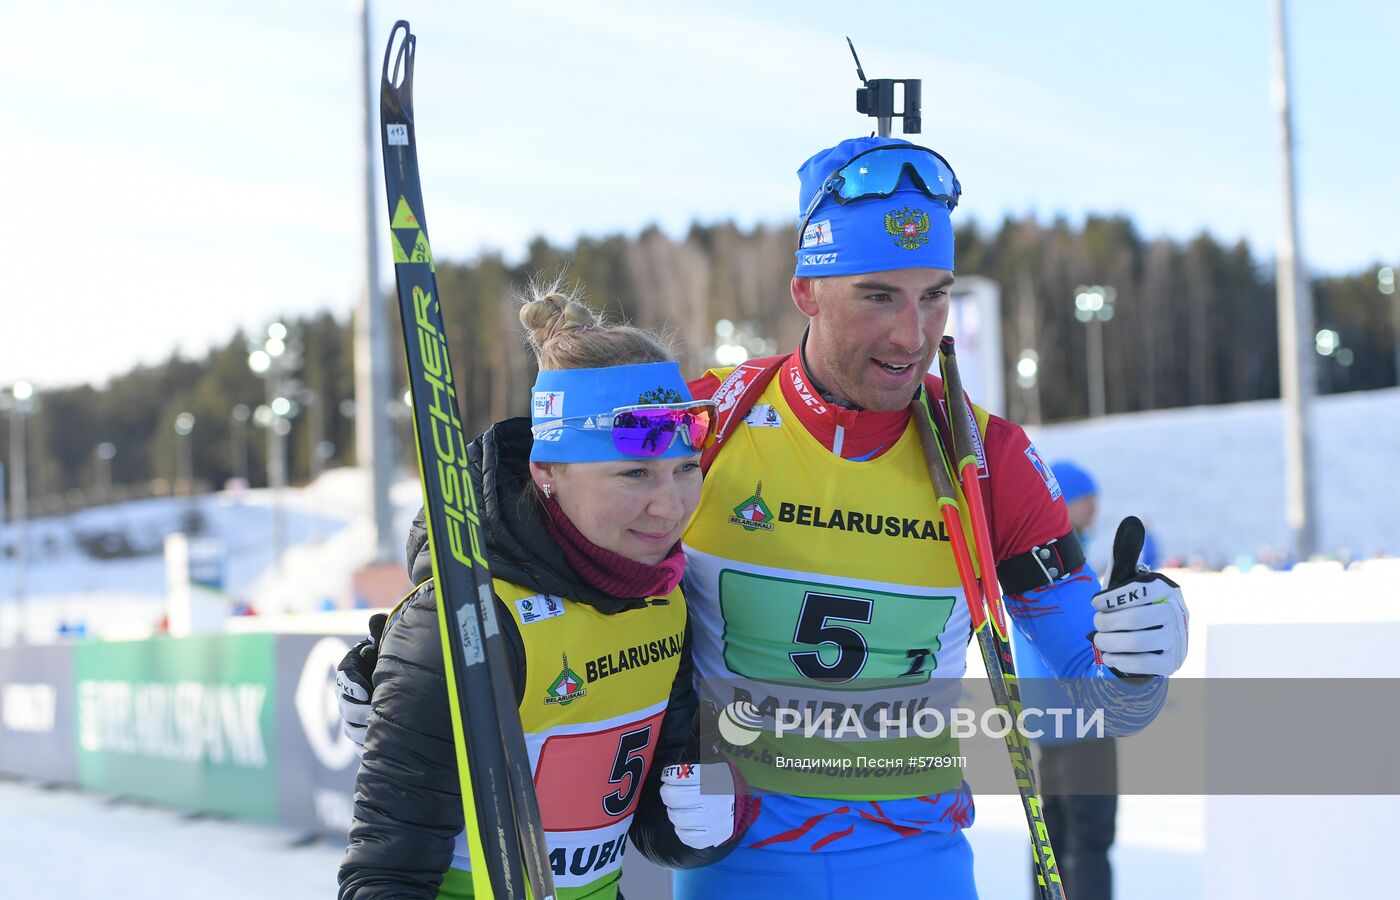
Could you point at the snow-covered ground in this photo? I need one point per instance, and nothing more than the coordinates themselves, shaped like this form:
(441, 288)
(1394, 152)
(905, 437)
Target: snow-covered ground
(63, 843)
(60, 843)
(327, 537)
(1209, 480)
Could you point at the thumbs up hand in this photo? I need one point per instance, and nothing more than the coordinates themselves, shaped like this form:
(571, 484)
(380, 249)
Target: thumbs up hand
(354, 678)
(1140, 619)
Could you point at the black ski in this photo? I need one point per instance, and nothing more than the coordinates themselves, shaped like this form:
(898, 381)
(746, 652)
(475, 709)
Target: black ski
(506, 839)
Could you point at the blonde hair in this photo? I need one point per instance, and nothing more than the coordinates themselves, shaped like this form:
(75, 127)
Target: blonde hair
(566, 334)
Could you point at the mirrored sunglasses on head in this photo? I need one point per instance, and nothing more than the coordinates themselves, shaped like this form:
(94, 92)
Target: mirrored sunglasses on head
(877, 173)
(648, 429)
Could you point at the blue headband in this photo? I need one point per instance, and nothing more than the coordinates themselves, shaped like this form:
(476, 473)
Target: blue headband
(581, 393)
(906, 230)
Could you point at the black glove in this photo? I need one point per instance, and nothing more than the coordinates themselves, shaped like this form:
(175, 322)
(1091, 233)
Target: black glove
(354, 678)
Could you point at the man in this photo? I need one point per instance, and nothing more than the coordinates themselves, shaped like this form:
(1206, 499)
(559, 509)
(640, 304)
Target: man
(845, 570)
(815, 552)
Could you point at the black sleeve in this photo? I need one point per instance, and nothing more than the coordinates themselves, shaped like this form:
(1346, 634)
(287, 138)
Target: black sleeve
(651, 831)
(408, 805)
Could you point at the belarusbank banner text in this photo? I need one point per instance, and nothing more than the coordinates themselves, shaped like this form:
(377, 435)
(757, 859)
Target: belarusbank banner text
(189, 722)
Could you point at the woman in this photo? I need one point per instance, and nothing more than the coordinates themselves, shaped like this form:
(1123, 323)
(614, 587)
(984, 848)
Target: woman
(582, 516)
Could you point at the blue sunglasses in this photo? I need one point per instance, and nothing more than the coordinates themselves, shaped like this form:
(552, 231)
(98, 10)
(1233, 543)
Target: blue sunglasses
(877, 173)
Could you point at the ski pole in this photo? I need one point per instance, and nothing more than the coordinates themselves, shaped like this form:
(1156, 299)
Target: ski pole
(995, 648)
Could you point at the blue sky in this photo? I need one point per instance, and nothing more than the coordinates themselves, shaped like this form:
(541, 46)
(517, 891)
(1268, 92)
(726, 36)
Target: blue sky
(176, 170)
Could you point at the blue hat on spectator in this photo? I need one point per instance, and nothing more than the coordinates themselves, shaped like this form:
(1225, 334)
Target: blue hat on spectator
(1074, 481)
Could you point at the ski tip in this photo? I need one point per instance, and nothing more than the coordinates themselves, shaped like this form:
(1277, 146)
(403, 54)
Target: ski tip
(402, 60)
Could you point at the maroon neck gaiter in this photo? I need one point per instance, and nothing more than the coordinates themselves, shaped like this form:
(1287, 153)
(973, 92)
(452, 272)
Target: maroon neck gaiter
(612, 573)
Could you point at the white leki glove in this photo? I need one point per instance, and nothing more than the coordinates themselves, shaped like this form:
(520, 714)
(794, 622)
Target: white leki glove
(354, 678)
(702, 820)
(354, 707)
(1140, 619)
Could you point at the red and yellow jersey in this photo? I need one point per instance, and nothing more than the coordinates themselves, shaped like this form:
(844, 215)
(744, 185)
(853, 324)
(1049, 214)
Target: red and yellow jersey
(813, 536)
(824, 569)
(596, 690)
(805, 494)
(817, 554)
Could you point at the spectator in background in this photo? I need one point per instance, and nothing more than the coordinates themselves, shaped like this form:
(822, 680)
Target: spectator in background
(1081, 495)
(1081, 825)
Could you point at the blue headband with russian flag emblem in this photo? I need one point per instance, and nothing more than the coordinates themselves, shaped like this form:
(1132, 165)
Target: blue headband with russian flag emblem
(593, 394)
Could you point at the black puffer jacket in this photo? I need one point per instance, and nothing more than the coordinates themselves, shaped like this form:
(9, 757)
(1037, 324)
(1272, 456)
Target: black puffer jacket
(408, 807)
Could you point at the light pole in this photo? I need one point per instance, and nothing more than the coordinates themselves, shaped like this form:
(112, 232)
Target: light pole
(271, 360)
(400, 417)
(1328, 343)
(1093, 305)
(374, 446)
(1385, 283)
(184, 467)
(1297, 372)
(1027, 377)
(102, 455)
(321, 449)
(316, 428)
(20, 404)
(184, 456)
(238, 436)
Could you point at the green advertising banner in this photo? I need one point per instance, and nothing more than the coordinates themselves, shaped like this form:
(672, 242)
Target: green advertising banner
(190, 722)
